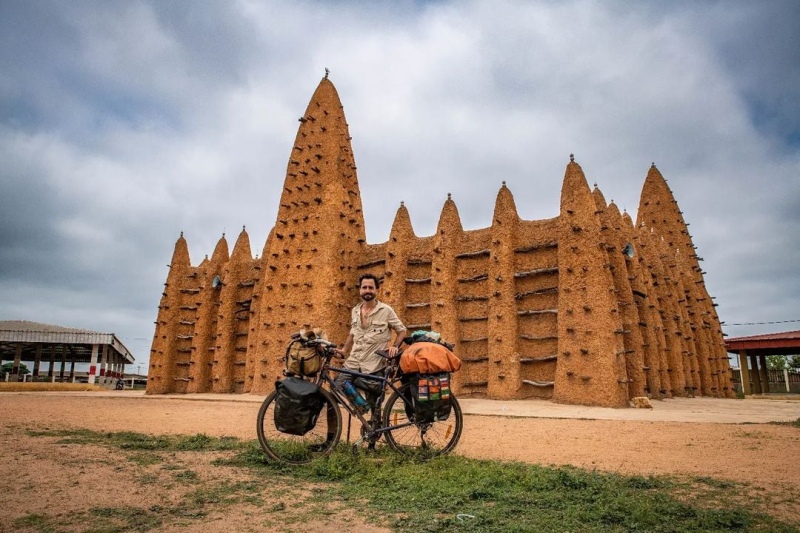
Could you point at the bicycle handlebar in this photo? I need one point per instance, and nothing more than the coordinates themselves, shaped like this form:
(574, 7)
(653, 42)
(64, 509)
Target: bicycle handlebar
(385, 355)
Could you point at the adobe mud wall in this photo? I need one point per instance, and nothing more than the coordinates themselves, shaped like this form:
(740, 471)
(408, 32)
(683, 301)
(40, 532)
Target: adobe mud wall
(586, 308)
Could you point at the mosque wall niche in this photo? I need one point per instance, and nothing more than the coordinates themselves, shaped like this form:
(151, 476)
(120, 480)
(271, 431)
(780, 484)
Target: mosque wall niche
(585, 308)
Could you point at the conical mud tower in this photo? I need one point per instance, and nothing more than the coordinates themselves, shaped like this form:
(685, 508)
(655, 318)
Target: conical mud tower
(585, 308)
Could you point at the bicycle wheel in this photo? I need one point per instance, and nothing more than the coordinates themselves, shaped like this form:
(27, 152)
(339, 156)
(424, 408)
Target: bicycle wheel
(426, 439)
(296, 449)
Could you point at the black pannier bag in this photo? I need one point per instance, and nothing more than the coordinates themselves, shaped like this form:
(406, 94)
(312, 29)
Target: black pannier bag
(297, 405)
(431, 397)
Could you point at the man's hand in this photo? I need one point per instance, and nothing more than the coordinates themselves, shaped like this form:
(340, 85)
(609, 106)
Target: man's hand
(392, 350)
(340, 353)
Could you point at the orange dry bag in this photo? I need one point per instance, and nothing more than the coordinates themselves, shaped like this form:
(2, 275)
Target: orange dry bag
(428, 358)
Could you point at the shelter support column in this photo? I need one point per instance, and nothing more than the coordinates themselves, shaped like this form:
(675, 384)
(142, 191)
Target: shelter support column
(745, 373)
(72, 371)
(37, 361)
(63, 363)
(17, 361)
(764, 374)
(51, 369)
(754, 374)
(93, 364)
(103, 364)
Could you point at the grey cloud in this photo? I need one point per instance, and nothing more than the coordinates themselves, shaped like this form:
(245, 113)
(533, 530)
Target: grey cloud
(153, 118)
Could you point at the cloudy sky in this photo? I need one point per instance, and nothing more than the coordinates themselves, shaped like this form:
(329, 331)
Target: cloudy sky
(123, 123)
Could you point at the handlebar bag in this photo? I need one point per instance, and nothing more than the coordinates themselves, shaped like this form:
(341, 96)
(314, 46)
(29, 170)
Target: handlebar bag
(297, 405)
(301, 359)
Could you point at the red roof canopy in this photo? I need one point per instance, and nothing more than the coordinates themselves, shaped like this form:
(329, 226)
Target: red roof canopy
(786, 343)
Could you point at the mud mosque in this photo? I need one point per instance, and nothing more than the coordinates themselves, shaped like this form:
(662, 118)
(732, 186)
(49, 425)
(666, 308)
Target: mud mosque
(584, 308)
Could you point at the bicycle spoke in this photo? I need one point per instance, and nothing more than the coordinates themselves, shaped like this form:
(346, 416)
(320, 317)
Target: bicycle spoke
(410, 437)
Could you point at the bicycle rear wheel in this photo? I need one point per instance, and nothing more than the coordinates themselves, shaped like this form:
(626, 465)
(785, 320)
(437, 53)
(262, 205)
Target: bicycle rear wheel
(426, 439)
(299, 449)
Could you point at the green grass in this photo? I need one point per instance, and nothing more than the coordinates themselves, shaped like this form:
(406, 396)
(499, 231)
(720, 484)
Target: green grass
(444, 494)
(97, 520)
(794, 423)
(454, 493)
(128, 440)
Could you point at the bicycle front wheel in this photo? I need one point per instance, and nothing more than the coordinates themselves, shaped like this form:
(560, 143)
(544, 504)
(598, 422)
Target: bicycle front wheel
(299, 449)
(427, 439)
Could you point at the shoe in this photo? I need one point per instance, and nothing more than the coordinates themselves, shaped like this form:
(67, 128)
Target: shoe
(321, 447)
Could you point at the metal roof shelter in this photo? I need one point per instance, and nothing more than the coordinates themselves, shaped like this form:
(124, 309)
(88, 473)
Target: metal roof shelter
(758, 347)
(25, 341)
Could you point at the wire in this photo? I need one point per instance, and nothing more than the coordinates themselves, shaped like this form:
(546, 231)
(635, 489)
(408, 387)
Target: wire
(761, 323)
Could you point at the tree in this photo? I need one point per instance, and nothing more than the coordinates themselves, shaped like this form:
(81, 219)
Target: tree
(776, 362)
(9, 367)
(795, 362)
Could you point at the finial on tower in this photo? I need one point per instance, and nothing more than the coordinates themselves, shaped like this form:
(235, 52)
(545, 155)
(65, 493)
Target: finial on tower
(504, 183)
(327, 71)
(402, 203)
(448, 196)
(571, 158)
(653, 164)
(181, 233)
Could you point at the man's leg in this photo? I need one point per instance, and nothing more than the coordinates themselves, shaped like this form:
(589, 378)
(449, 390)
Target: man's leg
(350, 364)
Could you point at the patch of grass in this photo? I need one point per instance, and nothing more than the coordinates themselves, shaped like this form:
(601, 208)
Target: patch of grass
(34, 522)
(715, 483)
(144, 459)
(448, 493)
(794, 423)
(187, 476)
(98, 519)
(146, 479)
(224, 494)
(123, 519)
(128, 440)
(454, 493)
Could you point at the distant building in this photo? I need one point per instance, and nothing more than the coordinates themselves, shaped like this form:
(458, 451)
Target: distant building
(756, 377)
(57, 347)
(585, 308)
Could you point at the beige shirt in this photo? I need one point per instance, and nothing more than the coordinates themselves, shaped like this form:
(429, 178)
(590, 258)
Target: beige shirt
(372, 336)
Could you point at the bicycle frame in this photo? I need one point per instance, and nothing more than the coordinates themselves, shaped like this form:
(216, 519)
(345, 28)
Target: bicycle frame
(338, 393)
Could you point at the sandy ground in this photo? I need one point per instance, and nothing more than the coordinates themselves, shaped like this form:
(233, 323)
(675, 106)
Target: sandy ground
(758, 454)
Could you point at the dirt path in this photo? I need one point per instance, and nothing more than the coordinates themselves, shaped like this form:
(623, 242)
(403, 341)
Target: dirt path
(758, 454)
(749, 452)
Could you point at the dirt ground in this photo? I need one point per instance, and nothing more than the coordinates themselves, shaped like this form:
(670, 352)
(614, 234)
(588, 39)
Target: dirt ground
(36, 471)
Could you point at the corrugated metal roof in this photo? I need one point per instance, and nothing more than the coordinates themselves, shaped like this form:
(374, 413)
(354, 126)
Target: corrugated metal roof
(27, 325)
(27, 332)
(786, 335)
(784, 343)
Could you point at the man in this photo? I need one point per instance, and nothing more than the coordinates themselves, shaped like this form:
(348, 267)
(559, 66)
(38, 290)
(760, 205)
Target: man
(371, 322)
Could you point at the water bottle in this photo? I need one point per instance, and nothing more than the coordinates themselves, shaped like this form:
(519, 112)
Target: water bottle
(355, 396)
